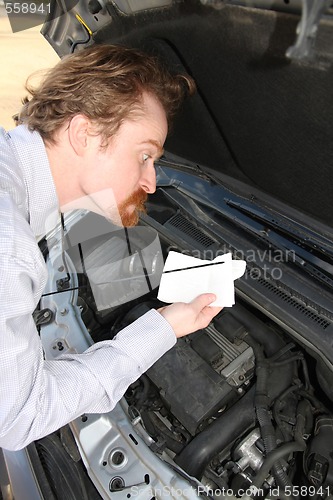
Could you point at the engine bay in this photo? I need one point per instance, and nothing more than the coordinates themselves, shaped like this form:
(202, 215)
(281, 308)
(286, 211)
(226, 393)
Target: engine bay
(240, 406)
(232, 394)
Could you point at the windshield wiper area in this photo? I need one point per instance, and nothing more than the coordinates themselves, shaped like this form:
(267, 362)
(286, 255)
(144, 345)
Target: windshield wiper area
(313, 252)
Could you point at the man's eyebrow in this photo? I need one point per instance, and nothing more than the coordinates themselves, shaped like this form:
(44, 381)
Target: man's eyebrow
(156, 144)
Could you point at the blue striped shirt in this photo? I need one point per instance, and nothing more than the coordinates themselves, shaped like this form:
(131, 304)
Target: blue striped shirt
(38, 396)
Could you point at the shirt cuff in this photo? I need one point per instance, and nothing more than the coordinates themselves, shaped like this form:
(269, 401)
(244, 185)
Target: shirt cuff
(147, 339)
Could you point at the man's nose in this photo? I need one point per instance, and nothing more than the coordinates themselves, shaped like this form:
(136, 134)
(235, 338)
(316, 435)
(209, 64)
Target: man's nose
(148, 180)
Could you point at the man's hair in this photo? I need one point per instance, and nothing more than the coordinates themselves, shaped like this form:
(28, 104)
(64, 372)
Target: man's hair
(105, 83)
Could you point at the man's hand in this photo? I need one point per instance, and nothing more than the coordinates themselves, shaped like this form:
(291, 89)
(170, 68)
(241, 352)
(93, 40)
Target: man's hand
(188, 318)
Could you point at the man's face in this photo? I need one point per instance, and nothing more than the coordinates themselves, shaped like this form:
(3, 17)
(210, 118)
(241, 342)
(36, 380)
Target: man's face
(118, 178)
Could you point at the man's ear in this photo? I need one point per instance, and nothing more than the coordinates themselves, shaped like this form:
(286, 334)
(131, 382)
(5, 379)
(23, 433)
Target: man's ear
(78, 133)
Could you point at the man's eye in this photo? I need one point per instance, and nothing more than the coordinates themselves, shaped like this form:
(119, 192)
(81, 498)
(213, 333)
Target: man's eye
(145, 157)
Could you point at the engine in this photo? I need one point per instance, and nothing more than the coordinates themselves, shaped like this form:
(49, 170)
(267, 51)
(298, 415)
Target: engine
(236, 405)
(201, 375)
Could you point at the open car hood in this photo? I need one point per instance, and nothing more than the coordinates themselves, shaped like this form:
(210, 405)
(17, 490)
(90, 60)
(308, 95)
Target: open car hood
(263, 110)
(246, 403)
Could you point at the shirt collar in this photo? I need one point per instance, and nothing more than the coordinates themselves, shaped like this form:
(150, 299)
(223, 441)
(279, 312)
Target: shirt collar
(43, 205)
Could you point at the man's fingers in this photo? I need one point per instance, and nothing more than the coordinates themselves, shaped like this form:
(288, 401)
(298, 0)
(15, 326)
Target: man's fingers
(203, 300)
(188, 318)
(204, 313)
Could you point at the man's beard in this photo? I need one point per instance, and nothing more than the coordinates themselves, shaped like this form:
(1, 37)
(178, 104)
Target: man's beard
(137, 199)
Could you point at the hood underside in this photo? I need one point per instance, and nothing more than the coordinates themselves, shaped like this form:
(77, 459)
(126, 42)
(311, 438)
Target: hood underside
(258, 115)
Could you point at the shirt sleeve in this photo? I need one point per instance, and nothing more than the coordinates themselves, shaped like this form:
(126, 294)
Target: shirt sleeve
(38, 396)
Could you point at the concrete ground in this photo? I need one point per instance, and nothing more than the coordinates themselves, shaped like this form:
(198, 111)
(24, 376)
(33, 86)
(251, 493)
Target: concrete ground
(21, 54)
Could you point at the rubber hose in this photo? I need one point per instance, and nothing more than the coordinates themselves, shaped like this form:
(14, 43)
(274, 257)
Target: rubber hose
(273, 456)
(263, 414)
(229, 426)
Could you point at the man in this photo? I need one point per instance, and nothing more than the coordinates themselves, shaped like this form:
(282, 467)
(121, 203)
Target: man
(88, 138)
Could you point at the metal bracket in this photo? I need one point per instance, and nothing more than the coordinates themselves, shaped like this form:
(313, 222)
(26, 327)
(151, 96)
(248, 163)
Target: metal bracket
(307, 28)
(43, 317)
(63, 284)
